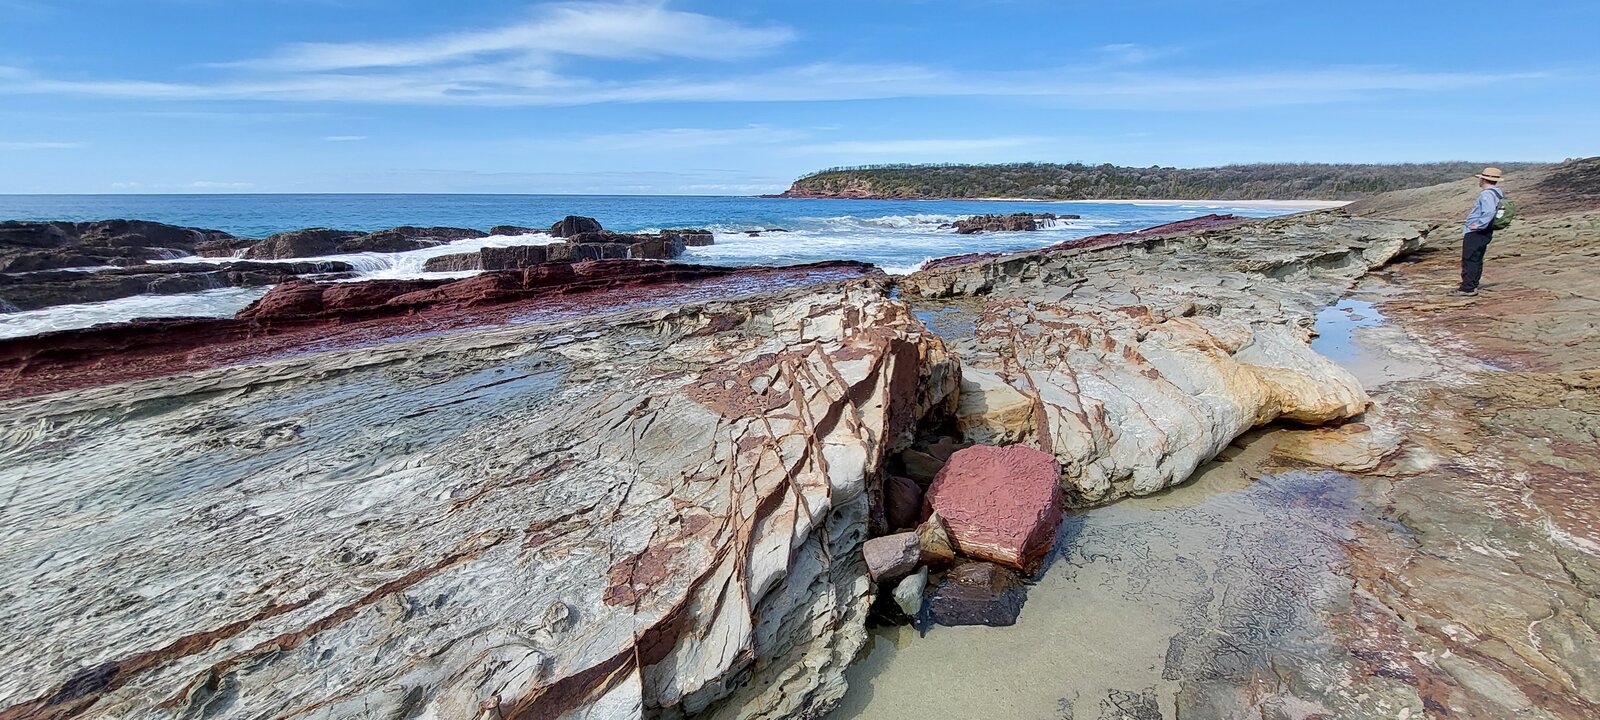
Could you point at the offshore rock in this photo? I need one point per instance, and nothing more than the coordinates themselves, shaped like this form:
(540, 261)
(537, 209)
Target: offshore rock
(1015, 222)
(657, 513)
(310, 242)
(1001, 504)
(35, 290)
(575, 225)
(1147, 354)
(459, 262)
(512, 230)
(978, 593)
(692, 237)
(322, 241)
(32, 246)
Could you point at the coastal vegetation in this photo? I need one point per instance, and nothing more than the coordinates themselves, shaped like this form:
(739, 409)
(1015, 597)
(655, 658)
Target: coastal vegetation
(1051, 181)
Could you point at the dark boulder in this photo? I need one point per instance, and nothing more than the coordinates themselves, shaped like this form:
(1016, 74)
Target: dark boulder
(656, 248)
(691, 237)
(512, 230)
(301, 243)
(460, 262)
(512, 258)
(407, 237)
(574, 225)
(229, 247)
(33, 246)
(978, 593)
(580, 252)
(902, 502)
(1015, 222)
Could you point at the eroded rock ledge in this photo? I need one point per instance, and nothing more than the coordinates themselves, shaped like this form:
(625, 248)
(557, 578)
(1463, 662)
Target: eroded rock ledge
(417, 506)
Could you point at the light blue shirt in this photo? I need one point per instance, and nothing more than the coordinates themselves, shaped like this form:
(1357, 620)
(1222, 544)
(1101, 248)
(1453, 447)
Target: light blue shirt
(1484, 211)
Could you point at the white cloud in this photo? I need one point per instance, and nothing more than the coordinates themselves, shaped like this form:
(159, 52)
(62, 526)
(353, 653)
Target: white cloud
(631, 30)
(213, 185)
(345, 138)
(21, 145)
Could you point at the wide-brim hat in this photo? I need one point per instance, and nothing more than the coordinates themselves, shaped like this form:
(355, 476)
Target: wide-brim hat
(1491, 174)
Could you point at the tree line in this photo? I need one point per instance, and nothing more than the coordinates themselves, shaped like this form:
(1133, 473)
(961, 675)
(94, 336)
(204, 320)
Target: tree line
(1076, 181)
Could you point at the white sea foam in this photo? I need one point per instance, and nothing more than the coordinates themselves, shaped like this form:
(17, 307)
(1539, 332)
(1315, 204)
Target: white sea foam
(209, 303)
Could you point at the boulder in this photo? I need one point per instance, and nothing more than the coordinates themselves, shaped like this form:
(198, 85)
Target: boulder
(512, 258)
(407, 237)
(937, 550)
(691, 237)
(512, 230)
(902, 502)
(892, 557)
(34, 246)
(301, 243)
(1001, 504)
(658, 248)
(908, 592)
(990, 411)
(920, 466)
(978, 593)
(459, 262)
(1015, 222)
(575, 225)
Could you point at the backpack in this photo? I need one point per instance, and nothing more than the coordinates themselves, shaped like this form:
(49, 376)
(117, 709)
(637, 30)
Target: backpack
(1504, 213)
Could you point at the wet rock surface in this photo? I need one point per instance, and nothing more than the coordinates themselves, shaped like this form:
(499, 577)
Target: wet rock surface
(644, 514)
(1015, 222)
(32, 246)
(978, 593)
(30, 291)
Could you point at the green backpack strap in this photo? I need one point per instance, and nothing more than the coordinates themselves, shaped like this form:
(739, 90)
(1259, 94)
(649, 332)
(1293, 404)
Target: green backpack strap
(1504, 212)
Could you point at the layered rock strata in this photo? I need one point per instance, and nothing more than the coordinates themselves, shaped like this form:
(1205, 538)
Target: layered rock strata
(1135, 362)
(653, 514)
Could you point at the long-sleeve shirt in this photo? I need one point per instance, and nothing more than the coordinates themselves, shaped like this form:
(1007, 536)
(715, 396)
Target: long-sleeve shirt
(1484, 210)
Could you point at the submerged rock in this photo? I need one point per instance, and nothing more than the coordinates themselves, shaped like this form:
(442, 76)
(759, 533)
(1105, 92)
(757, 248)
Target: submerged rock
(978, 593)
(1001, 504)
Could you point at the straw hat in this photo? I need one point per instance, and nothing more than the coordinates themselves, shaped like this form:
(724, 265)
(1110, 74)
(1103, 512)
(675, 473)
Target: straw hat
(1491, 174)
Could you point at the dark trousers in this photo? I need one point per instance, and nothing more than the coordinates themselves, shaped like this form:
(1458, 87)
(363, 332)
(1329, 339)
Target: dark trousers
(1473, 247)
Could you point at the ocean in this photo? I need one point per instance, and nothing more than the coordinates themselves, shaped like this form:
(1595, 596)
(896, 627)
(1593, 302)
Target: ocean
(896, 235)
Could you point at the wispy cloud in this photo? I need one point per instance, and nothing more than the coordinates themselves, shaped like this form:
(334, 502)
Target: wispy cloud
(631, 30)
(345, 138)
(214, 185)
(30, 145)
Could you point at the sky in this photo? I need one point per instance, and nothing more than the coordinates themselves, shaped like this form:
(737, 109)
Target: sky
(737, 98)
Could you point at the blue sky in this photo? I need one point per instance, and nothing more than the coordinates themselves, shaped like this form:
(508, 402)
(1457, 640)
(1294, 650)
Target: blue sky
(104, 96)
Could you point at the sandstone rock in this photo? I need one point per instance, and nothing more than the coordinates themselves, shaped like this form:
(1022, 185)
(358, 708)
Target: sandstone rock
(513, 258)
(573, 225)
(691, 237)
(1015, 222)
(908, 593)
(902, 502)
(999, 504)
(921, 466)
(598, 517)
(300, 243)
(978, 593)
(1351, 447)
(892, 557)
(33, 246)
(938, 552)
(460, 262)
(990, 411)
(1148, 355)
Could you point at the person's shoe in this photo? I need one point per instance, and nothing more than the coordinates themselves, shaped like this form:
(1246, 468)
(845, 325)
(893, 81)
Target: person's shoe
(1458, 292)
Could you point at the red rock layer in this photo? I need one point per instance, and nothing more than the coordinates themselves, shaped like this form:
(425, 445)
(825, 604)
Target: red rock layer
(1000, 504)
(305, 316)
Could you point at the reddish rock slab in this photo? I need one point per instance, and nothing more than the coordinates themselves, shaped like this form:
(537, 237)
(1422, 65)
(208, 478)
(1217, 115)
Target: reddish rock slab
(1001, 504)
(301, 317)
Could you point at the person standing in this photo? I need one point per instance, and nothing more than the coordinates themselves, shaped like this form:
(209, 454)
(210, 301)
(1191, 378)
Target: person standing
(1479, 230)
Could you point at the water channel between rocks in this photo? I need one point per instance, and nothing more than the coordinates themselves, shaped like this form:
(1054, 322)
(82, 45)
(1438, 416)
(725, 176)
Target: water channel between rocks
(1197, 602)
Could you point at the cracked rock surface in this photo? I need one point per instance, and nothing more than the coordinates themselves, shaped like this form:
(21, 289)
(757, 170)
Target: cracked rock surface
(649, 514)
